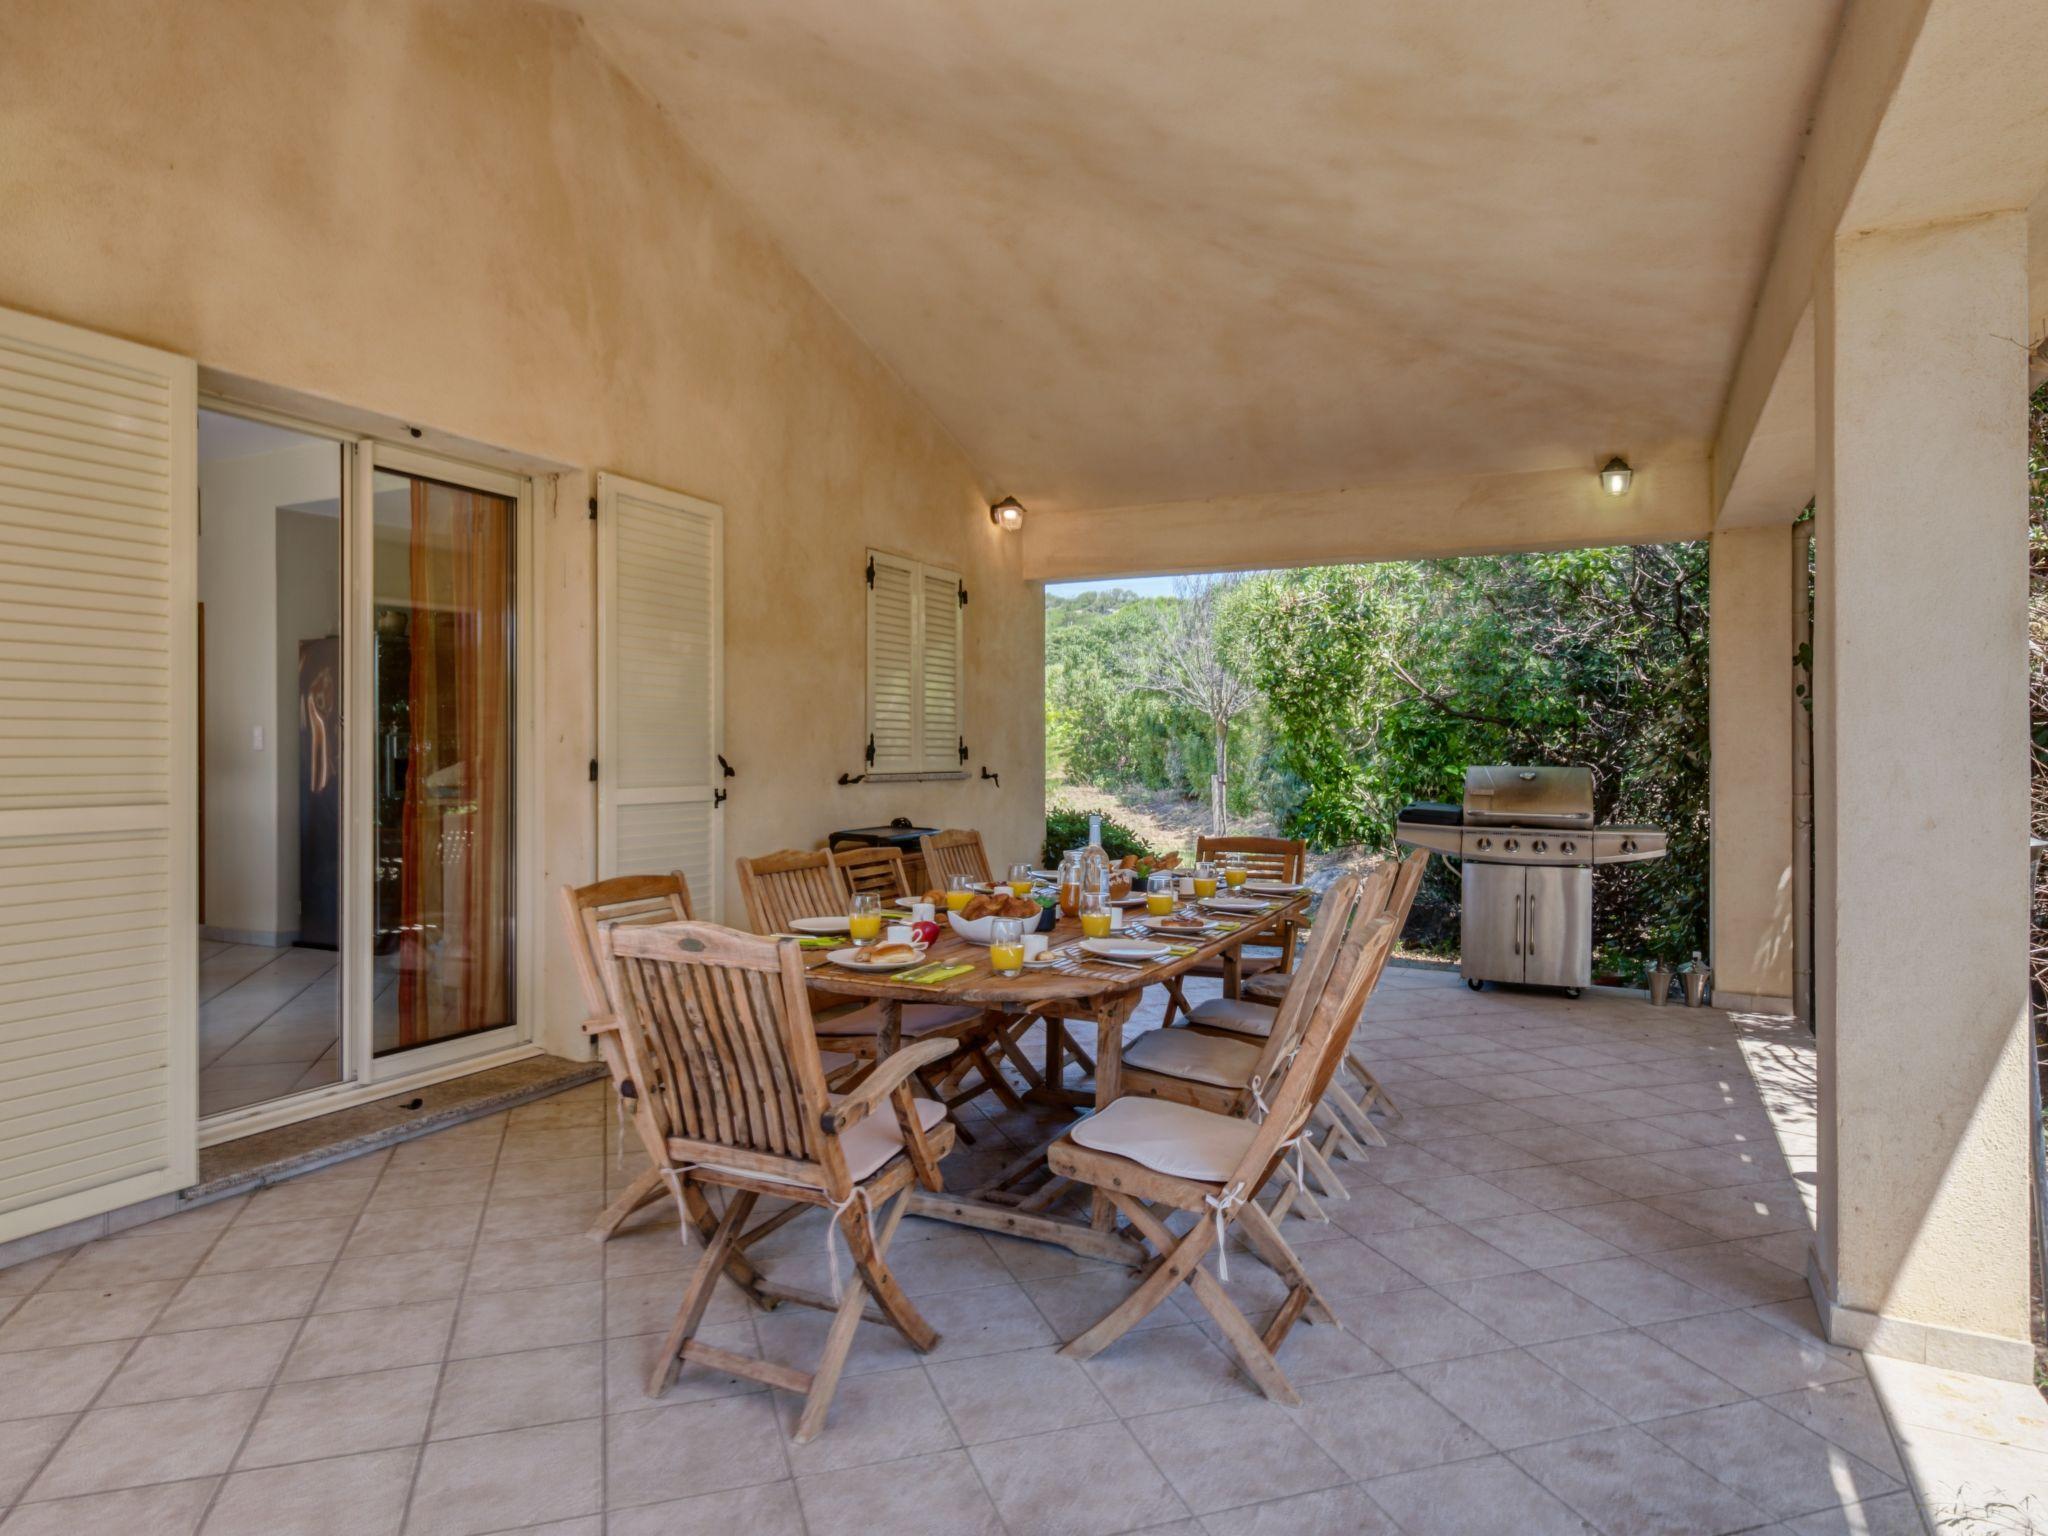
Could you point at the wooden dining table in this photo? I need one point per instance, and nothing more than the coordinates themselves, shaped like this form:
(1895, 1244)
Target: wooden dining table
(1077, 990)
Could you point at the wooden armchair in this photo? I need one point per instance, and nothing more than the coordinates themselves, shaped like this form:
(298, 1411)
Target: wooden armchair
(1268, 858)
(875, 872)
(956, 851)
(719, 1043)
(781, 887)
(1153, 1156)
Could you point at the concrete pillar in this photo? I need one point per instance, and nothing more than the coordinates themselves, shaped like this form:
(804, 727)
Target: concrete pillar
(1921, 794)
(1749, 723)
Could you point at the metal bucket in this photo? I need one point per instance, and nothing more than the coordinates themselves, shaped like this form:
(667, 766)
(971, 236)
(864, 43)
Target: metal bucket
(1660, 986)
(1695, 988)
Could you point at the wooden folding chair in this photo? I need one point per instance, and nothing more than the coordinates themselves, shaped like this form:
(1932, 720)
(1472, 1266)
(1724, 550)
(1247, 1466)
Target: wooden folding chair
(719, 1042)
(781, 887)
(955, 851)
(1152, 1157)
(1267, 858)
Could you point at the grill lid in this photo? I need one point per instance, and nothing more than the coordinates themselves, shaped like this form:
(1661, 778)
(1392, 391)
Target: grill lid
(1529, 797)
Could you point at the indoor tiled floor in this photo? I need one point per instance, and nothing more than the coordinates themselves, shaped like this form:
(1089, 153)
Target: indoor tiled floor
(268, 1023)
(1571, 1292)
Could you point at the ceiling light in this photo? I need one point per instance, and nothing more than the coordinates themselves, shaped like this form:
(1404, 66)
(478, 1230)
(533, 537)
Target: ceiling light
(1007, 514)
(1615, 476)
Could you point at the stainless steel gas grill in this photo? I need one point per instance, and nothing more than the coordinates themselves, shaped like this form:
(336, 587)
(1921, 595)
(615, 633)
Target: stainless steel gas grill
(1528, 843)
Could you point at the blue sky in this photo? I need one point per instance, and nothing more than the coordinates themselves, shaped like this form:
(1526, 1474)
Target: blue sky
(1144, 586)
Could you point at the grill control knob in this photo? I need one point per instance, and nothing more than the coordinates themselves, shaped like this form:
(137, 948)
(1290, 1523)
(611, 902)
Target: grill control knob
(1628, 845)
(1567, 846)
(1539, 846)
(1512, 844)
(1483, 844)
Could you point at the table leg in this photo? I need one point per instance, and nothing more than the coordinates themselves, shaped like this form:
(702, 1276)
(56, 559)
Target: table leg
(1233, 971)
(1109, 1068)
(890, 1039)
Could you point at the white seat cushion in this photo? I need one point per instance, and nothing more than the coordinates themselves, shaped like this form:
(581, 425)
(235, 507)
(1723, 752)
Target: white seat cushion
(868, 1145)
(1198, 1058)
(918, 1019)
(1170, 1138)
(1269, 988)
(1236, 1015)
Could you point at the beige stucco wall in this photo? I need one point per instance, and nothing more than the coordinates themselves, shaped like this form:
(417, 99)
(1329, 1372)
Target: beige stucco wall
(458, 214)
(1749, 723)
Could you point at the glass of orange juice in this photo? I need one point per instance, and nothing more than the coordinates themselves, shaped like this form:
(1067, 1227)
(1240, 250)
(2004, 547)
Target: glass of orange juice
(1234, 873)
(1006, 946)
(864, 918)
(1205, 880)
(1159, 895)
(959, 892)
(1020, 879)
(1094, 915)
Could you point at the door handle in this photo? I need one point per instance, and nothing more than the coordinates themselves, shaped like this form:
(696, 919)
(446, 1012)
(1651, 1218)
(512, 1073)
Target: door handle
(1518, 924)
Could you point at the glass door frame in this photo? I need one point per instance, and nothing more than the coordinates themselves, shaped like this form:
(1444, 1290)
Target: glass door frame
(360, 895)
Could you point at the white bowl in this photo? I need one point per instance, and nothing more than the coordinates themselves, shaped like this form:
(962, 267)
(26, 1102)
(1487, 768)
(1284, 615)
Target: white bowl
(977, 930)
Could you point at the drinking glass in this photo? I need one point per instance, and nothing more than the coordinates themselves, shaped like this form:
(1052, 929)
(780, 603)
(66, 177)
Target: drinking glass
(1159, 895)
(1020, 879)
(1205, 880)
(1094, 915)
(959, 892)
(1070, 884)
(864, 917)
(1006, 946)
(1234, 872)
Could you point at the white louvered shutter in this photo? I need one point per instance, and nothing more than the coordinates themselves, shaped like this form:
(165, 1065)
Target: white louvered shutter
(98, 809)
(893, 735)
(939, 668)
(661, 659)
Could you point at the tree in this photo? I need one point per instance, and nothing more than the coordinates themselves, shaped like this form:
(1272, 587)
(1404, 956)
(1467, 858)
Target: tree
(1194, 666)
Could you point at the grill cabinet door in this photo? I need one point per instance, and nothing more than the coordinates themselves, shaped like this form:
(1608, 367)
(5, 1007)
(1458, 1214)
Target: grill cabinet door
(1558, 923)
(1491, 939)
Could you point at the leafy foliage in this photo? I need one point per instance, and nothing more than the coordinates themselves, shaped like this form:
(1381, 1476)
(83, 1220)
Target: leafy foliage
(1068, 828)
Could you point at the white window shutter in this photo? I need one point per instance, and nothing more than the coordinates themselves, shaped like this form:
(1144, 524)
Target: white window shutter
(940, 669)
(893, 680)
(661, 665)
(98, 774)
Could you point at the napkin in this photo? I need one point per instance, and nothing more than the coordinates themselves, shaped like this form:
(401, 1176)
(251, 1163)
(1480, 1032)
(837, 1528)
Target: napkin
(925, 975)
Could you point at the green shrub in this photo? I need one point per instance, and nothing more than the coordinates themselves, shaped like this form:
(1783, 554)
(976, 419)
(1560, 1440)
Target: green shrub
(1067, 828)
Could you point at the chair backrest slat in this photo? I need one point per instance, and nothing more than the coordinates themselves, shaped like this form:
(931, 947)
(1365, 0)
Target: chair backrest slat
(718, 1023)
(780, 887)
(873, 872)
(1268, 858)
(955, 851)
(587, 910)
(1346, 898)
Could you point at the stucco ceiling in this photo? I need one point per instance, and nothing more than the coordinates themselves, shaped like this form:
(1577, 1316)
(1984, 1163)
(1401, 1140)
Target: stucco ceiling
(1155, 249)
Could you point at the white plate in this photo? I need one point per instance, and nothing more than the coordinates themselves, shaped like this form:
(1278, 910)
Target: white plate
(850, 958)
(1275, 887)
(1124, 949)
(1234, 904)
(1128, 901)
(818, 924)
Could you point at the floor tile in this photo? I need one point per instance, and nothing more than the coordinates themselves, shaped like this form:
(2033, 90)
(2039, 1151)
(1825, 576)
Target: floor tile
(25, 1446)
(881, 1417)
(1375, 1425)
(1026, 1392)
(1242, 1451)
(201, 1361)
(1895, 1514)
(500, 1482)
(55, 1318)
(278, 1245)
(36, 1383)
(1418, 1325)
(1733, 1273)
(516, 1391)
(735, 1442)
(1161, 1368)
(161, 1509)
(340, 1496)
(1770, 1460)
(1755, 1356)
(349, 1343)
(1512, 1398)
(1624, 1481)
(148, 1443)
(341, 1415)
(1463, 1198)
(1072, 1304)
(1541, 1240)
(1635, 1290)
(1440, 1253)
(1634, 1227)
(1473, 1498)
(1636, 1376)
(499, 1321)
(1331, 1512)
(246, 1296)
(130, 1260)
(767, 1509)
(1075, 1482)
(937, 1495)
(1528, 1308)
(360, 1284)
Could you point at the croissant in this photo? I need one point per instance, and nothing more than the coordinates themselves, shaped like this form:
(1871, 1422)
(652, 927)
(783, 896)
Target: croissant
(1017, 906)
(1168, 861)
(934, 898)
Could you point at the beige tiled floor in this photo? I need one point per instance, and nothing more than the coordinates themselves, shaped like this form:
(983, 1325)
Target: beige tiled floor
(1571, 1290)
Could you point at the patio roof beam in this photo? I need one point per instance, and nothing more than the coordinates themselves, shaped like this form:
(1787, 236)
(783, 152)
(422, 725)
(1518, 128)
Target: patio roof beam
(1402, 520)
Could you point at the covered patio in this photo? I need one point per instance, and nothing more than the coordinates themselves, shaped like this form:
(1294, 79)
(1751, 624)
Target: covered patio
(700, 396)
(1571, 1290)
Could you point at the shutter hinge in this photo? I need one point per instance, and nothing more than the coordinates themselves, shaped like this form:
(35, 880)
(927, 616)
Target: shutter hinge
(723, 764)
(593, 770)
(593, 509)
(871, 751)
(717, 798)
(963, 749)
(871, 570)
(963, 594)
